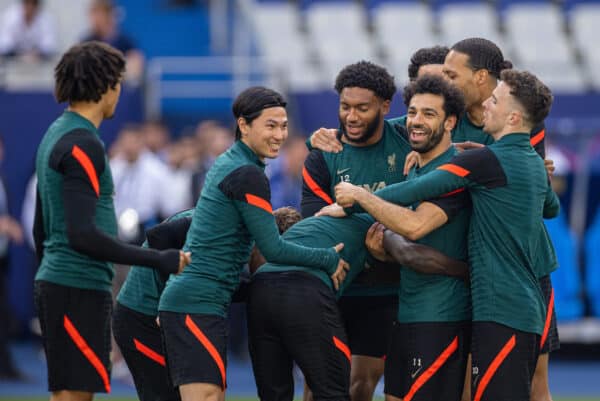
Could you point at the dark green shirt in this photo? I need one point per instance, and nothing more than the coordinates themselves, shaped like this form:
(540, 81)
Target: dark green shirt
(509, 189)
(372, 167)
(233, 211)
(465, 130)
(328, 231)
(142, 289)
(70, 136)
(431, 297)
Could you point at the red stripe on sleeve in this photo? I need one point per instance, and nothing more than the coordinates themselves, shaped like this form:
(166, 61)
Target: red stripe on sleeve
(432, 369)
(150, 353)
(317, 190)
(208, 345)
(259, 202)
(454, 169)
(88, 167)
(508, 347)
(89, 354)
(537, 138)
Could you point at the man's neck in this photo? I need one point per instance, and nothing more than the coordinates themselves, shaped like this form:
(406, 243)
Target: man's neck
(441, 147)
(510, 130)
(475, 114)
(89, 111)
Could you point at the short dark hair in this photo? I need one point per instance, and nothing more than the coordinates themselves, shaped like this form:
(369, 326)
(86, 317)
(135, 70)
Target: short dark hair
(531, 93)
(426, 56)
(367, 75)
(87, 71)
(483, 54)
(251, 102)
(454, 102)
(286, 217)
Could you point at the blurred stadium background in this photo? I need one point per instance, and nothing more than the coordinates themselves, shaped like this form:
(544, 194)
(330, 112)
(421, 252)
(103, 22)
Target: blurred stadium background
(200, 54)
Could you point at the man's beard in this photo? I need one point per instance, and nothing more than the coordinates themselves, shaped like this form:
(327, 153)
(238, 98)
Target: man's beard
(432, 140)
(370, 131)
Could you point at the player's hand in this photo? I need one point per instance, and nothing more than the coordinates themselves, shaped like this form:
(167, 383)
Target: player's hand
(340, 274)
(333, 210)
(462, 146)
(374, 241)
(347, 194)
(157, 321)
(326, 140)
(11, 228)
(412, 159)
(549, 164)
(185, 258)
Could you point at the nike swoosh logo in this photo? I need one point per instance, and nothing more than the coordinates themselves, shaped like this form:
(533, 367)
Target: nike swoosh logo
(412, 375)
(342, 171)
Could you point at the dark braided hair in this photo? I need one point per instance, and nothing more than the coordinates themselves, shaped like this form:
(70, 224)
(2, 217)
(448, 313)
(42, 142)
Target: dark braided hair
(251, 102)
(367, 75)
(483, 54)
(87, 71)
(426, 56)
(531, 93)
(454, 102)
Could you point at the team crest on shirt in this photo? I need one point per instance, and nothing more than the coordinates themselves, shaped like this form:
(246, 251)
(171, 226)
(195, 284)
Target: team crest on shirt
(391, 159)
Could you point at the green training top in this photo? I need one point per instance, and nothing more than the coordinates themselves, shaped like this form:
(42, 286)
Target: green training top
(233, 211)
(328, 231)
(72, 136)
(372, 167)
(432, 297)
(142, 289)
(509, 189)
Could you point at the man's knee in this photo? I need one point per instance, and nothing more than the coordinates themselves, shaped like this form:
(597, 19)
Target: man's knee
(68, 395)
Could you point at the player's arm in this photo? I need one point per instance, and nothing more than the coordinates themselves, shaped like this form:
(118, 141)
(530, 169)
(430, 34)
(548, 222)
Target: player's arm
(249, 188)
(169, 234)
(79, 157)
(316, 182)
(38, 228)
(421, 258)
(551, 204)
(471, 167)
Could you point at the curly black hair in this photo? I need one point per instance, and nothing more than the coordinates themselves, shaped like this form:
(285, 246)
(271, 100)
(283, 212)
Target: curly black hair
(454, 102)
(251, 102)
(535, 97)
(87, 71)
(426, 56)
(483, 54)
(286, 217)
(367, 75)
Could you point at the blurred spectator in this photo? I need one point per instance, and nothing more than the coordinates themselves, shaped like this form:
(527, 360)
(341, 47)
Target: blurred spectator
(27, 32)
(142, 185)
(157, 138)
(104, 28)
(10, 231)
(212, 139)
(285, 174)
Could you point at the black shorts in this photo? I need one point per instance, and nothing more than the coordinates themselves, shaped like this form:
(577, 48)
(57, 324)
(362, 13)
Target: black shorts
(427, 361)
(75, 327)
(368, 322)
(139, 339)
(196, 346)
(549, 341)
(293, 316)
(504, 361)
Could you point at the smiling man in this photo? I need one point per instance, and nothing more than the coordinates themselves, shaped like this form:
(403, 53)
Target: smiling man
(510, 194)
(373, 156)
